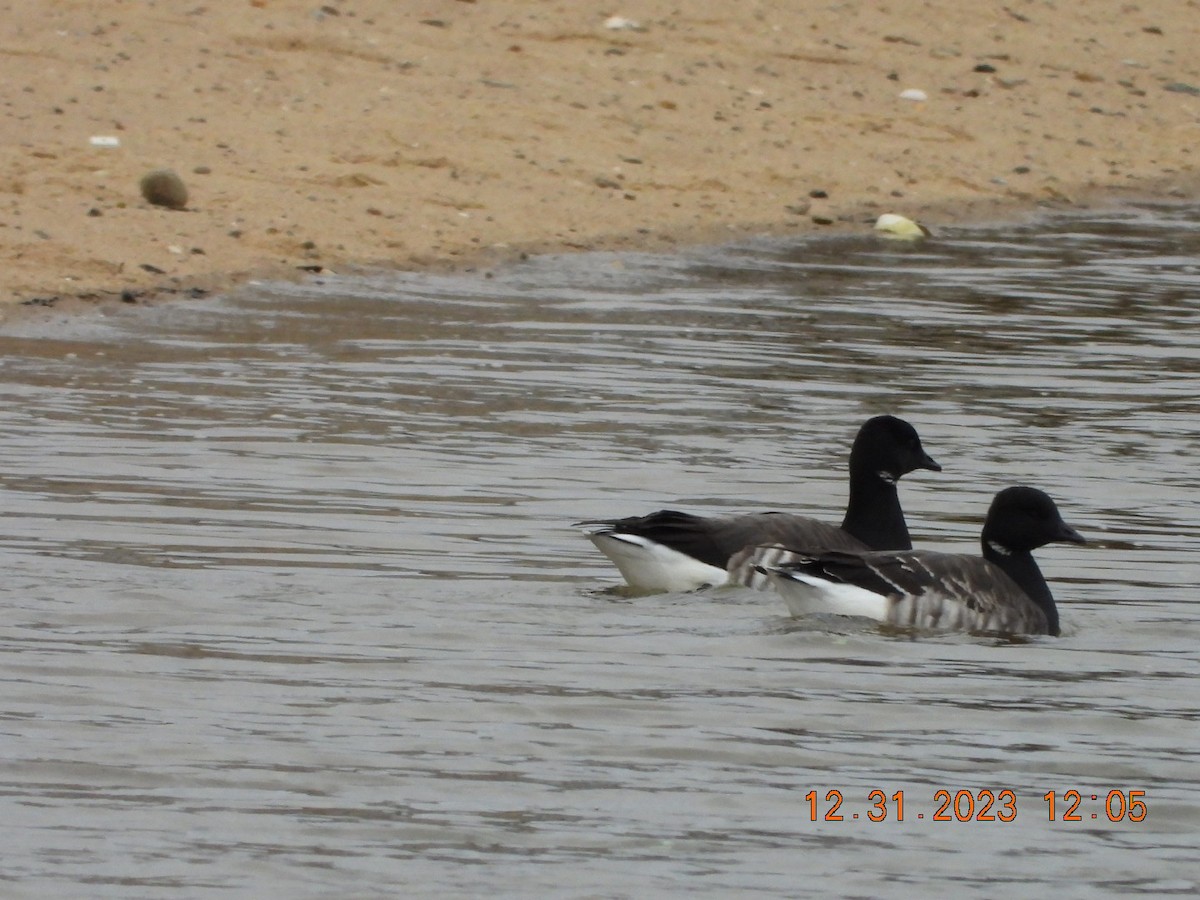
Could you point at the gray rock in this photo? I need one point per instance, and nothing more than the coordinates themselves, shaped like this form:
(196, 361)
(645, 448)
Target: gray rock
(163, 187)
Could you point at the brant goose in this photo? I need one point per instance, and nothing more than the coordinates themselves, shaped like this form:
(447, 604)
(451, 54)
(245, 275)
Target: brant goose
(1002, 591)
(676, 551)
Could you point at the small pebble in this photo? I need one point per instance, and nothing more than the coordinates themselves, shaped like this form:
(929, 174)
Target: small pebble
(162, 187)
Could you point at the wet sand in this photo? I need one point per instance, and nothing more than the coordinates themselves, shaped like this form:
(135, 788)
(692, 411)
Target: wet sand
(368, 133)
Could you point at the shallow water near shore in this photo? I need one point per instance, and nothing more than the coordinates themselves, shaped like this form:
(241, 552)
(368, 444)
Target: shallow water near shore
(293, 606)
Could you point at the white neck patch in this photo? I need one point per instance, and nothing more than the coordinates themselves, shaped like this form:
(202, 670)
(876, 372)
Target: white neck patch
(1000, 548)
(886, 477)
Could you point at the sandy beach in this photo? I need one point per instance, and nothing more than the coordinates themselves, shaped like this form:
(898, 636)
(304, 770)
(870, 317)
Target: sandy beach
(363, 133)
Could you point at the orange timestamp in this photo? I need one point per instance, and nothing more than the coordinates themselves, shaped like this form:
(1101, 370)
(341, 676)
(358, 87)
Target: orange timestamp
(979, 805)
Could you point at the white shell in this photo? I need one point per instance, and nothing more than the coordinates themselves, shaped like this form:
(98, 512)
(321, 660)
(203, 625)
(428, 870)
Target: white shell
(891, 225)
(914, 94)
(620, 23)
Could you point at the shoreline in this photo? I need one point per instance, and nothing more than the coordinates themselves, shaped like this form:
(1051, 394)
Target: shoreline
(354, 136)
(949, 212)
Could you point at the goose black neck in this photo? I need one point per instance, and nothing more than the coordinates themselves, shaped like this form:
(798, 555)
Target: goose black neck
(873, 514)
(1022, 568)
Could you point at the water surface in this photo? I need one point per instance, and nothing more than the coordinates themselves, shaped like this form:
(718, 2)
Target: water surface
(293, 606)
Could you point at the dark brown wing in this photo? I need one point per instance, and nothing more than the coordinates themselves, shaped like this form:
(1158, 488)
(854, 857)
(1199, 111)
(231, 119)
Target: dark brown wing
(714, 540)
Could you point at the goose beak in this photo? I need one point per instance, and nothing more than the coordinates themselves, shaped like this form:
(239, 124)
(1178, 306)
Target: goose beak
(928, 463)
(1068, 534)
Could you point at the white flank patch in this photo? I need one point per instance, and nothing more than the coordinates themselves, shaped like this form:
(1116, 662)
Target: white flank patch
(806, 595)
(649, 566)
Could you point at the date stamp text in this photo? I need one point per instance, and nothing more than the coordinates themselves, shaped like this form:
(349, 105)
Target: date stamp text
(975, 805)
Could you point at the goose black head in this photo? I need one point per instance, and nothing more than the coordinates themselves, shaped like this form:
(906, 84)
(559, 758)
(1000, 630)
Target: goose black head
(1021, 519)
(890, 448)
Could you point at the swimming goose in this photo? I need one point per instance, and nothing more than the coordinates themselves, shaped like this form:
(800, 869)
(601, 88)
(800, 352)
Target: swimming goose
(676, 551)
(1002, 591)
